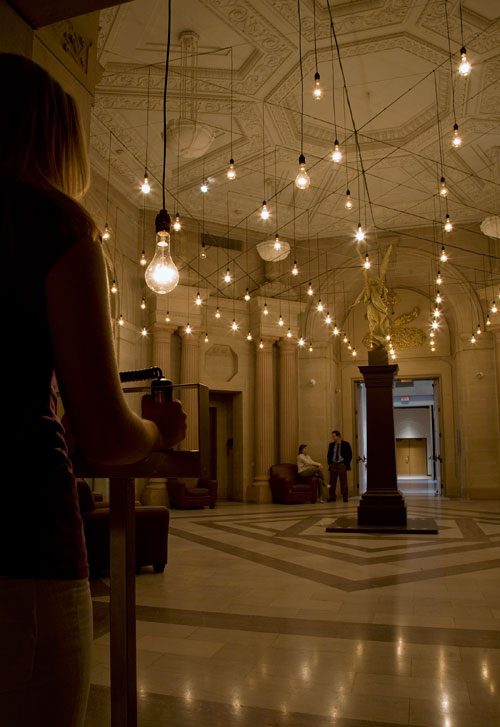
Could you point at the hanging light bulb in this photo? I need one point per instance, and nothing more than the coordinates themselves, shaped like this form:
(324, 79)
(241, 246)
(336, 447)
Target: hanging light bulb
(336, 330)
(249, 336)
(143, 304)
(349, 345)
(198, 300)
(231, 174)
(247, 296)
(431, 334)
(217, 312)
(433, 348)
(479, 331)
(167, 317)
(144, 331)
(301, 342)
(142, 260)
(439, 279)
(457, 139)
(280, 321)
(336, 154)
(328, 318)
(494, 308)
(234, 325)
(295, 270)
(206, 337)
(348, 201)
(473, 339)
(488, 321)
(354, 352)
(188, 328)
(319, 307)
(114, 287)
(227, 276)
(145, 185)
(447, 225)
(265, 311)
(162, 275)
(360, 235)
(465, 67)
(177, 223)
(443, 191)
(204, 187)
(203, 251)
(311, 349)
(261, 344)
(120, 320)
(277, 243)
(367, 264)
(289, 334)
(317, 92)
(310, 290)
(393, 355)
(434, 324)
(388, 337)
(264, 212)
(438, 297)
(302, 180)
(106, 232)
(443, 257)
(436, 313)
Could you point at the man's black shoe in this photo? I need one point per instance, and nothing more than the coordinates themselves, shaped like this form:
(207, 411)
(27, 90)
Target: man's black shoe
(332, 499)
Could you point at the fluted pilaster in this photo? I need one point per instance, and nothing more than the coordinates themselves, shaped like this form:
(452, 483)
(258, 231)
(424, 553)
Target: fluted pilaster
(190, 374)
(288, 404)
(264, 420)
(162, 336)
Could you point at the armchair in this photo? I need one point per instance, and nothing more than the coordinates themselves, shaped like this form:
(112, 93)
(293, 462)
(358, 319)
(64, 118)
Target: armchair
(287, 486)
(182, 497)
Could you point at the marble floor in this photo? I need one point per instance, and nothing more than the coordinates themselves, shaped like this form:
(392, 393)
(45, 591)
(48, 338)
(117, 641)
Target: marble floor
(262, 619)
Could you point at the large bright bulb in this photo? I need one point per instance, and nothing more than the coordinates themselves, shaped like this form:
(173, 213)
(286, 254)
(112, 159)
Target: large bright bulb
(145, 185)
(447, 225)
(317, 93)
(231, 174)
(264, 212)
(177, 223)
(204, 187)
(302, 180)
(336, 154)
(348, 200)
(360, 235)
(162, 275)
(465, 67)
(443, 191)
(457, 139)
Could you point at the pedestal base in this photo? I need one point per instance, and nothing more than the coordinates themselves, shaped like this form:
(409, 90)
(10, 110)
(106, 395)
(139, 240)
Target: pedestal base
(260, 491)
(414, 526)
(155, 492)
(382, 507)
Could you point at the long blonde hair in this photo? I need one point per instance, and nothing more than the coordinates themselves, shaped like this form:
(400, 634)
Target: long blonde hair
(41, 139)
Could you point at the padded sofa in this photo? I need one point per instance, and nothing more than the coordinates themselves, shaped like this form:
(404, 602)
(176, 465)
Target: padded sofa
(183, 497)
(151, 533)
(287, 486)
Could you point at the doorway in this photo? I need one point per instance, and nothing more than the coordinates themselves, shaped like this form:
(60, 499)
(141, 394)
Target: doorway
(416, 428)
(226, 443)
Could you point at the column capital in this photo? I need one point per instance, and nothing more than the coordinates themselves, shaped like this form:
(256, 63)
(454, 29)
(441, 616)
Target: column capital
(163, 331)
(287, 345)
(192, 338)
(267, 343)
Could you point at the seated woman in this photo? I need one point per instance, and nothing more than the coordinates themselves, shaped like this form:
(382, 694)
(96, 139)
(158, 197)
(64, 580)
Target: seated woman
(307, 467)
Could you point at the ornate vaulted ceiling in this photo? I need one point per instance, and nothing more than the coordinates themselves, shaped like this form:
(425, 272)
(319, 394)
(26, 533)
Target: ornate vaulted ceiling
(389, 50)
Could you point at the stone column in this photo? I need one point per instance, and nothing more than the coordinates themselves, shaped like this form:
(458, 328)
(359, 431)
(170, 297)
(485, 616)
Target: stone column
(288, 401)
(190, 374)
(264, 421)
(496, 334)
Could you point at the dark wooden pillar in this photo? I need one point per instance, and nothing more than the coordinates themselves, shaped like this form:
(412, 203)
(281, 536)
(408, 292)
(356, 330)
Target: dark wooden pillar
(382, 503)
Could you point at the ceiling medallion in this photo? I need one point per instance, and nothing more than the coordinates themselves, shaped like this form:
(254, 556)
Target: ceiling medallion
(270, 254)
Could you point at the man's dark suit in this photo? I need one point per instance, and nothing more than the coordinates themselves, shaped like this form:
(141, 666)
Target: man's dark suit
(339, 469)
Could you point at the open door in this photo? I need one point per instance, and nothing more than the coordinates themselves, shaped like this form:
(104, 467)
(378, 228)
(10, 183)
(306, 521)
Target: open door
(360, 463)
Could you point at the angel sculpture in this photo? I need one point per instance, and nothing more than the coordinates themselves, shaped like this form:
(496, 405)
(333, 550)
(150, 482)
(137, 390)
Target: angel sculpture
(375, 295)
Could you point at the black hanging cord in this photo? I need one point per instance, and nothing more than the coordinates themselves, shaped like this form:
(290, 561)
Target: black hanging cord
(449, 55)
(165, 103)
(301, 84)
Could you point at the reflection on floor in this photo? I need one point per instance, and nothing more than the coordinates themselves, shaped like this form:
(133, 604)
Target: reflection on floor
(418, 486)
(263, 619)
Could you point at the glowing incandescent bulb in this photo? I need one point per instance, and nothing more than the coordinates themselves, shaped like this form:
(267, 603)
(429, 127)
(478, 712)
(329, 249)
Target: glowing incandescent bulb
(319, 307)
(144, 331)
(264, 212)
(177, 223)
(217, 312)
(345, 339)
(311, 349)
(473, 339)
(161, 274)
(354, 352)
(143, 304)
(247, 295)
(301, 342)
(443, 191)
(227, 276)
(231, 174)
(439, 279)
(336, 154)
(443, 257)
(457, 139)
(436, 312)
(114, 287)
(302, 180)
(434, 324)
(348, 200)
(317, 92)
(261, 344)
(310, 290)
(167, 317)
(146, 189)
(289, 334)
(367, 264)
(143, 260)
(328, 318)
(266, 310)
(188, 328)
(479, 331)
(360, 235)
(206, 338)
(438, 297)
(488, 321)
(336, 330)
(198, 300)
(234, 325)
(204, 187)
(249, 336)
(295, 270)
(106, 232)
(349, 345)
(494, 308)
(203, 252)
(465, 67)
(120, 320)
(447, 225)
(277, 243)
(280, 322)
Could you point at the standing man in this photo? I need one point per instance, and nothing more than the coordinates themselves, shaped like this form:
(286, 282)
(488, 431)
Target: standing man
(339, 462)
